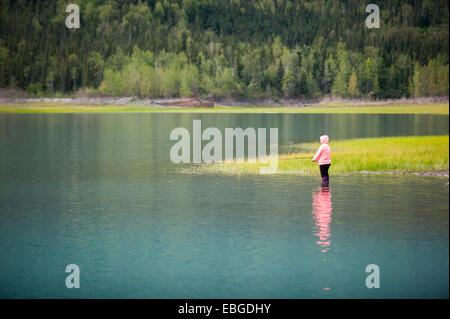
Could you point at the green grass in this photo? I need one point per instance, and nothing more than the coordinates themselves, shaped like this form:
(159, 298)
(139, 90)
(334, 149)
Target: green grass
(43, 107)
(387, 154)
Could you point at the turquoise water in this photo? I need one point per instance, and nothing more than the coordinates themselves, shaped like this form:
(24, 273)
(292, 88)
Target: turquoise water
(99, 191)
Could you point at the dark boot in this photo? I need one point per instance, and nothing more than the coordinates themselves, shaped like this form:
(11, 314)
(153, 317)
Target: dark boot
(325, 181)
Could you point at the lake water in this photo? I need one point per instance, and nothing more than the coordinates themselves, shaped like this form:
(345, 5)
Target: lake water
(99, 191)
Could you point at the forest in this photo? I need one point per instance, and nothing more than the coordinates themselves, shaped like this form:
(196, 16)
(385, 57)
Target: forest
(242, 49)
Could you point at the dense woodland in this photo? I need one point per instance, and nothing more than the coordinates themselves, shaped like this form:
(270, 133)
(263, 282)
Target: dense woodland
(242, 49)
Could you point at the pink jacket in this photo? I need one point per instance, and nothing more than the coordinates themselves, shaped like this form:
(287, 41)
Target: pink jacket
(323, 154)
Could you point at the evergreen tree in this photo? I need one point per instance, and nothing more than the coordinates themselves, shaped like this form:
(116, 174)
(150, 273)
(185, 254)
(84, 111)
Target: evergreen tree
(353, 90)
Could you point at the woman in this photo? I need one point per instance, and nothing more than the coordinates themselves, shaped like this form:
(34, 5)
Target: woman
(323, 158)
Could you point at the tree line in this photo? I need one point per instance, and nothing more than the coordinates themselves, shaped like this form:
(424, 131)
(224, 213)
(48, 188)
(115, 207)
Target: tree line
(228, 48)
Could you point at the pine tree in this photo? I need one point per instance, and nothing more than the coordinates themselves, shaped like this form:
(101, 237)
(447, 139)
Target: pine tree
(289, 83)
(353, 90)
(417, 90)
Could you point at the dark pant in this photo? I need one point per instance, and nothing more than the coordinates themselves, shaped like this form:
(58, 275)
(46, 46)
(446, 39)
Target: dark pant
(324, 173)
(324, 170)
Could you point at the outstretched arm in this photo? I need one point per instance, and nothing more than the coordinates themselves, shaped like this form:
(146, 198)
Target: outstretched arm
(318, 153)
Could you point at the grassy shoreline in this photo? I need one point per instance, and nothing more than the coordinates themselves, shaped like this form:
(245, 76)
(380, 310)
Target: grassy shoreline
(393, 155)
(44, 107)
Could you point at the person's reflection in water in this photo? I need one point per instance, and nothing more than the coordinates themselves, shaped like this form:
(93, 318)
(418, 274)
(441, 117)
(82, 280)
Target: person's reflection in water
(322, 209)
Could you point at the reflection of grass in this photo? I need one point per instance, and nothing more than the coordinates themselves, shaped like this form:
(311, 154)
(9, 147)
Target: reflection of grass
(58, 107)
(396, 154)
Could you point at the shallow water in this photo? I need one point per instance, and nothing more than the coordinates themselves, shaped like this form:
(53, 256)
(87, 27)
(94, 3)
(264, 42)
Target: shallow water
(99, 191)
